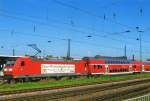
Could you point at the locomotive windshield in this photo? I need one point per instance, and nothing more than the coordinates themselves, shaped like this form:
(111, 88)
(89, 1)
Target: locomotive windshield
(10, 63)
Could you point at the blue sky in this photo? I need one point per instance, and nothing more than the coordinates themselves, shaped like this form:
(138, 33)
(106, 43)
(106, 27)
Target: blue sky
(25, 22)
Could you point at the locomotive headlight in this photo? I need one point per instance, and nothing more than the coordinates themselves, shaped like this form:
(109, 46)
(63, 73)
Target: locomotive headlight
(10, 69)
(5, 69)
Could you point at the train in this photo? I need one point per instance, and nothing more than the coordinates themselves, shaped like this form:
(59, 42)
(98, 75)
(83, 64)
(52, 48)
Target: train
(26, 68)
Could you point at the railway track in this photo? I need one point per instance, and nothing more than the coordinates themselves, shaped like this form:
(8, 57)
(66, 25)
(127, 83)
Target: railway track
(125, 93)
(43, 89)
(101, 92)
(67, 86)
(48, 88)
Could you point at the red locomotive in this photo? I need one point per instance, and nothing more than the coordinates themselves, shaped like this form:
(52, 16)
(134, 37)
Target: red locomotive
(26, 68)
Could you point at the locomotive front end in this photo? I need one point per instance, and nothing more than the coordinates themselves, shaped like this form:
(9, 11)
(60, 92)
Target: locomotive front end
(8, 69)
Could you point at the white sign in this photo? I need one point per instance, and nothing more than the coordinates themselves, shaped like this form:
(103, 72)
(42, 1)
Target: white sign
(57, 68)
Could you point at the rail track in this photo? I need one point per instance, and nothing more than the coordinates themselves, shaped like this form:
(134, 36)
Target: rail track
(100, 92)
(125, 93)
(45, 88)
(66, 86)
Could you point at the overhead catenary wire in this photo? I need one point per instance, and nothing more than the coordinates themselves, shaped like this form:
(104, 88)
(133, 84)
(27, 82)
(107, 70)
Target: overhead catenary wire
(83, 32)
(55, 38)
(42, 23)
(36, 17)
(104, 36)
(95, 15)
(107, 34)
(73, 29)
(74, 41)
(90, 13)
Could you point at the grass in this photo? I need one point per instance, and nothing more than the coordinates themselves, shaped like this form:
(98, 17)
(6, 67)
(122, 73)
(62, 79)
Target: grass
(101, 79)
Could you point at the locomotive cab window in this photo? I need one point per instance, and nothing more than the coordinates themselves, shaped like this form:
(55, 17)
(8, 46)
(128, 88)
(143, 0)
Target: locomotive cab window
(10, 63)
(22, 63)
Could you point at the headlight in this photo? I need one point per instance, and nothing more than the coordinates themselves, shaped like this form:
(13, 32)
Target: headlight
(5, 69)
(10, 69)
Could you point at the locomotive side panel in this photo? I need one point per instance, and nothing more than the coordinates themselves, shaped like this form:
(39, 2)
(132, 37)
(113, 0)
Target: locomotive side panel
(25, 67)
(51, 68)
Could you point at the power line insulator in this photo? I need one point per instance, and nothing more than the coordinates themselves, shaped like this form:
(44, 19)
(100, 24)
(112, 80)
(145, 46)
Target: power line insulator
(34, 28)
(89, 36)
(141, 11)
(12, 32)
(72, 23)
(104, 17)
(114, 15)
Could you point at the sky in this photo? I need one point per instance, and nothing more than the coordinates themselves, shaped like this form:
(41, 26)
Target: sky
(110, 23)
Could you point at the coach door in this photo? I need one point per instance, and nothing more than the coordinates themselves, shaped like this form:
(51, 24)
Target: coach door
(86, 68)
(130, 68)
(22, 67)
(106, 68)
(142, 67)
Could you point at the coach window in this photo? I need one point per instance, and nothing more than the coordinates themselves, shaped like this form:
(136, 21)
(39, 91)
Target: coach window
(22, 63)
(134, 66)
(121, 70)
(94, 66)
(125, 70)
(117, 70)
(99, 66)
